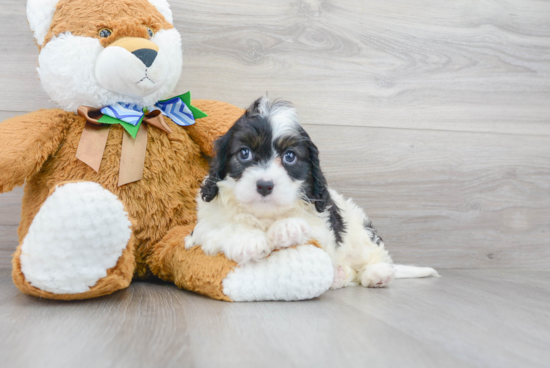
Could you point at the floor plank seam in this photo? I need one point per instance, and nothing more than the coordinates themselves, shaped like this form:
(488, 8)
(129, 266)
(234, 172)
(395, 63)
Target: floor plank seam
(426, 130)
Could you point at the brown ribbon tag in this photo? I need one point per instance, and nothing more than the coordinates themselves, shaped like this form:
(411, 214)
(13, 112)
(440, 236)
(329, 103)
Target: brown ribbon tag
(156, 119)
(132, 158)
(92, 145)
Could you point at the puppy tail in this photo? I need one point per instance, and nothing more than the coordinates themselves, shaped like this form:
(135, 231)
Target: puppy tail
(406, 272)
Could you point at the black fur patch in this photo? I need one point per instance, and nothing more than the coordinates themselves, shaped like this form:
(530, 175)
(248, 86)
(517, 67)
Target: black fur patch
(316, 189)
(337, 224)
(300, 170)
(373, 233)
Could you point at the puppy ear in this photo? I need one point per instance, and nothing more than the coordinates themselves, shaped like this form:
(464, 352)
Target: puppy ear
(40, 15)
(218, 169)
(254, 109)
(318, 193)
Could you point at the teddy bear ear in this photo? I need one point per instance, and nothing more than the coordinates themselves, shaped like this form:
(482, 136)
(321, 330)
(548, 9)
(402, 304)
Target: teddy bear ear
(164, 8)
(40, 15)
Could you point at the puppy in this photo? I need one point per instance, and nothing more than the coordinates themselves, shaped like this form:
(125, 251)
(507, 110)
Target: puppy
(266, 191)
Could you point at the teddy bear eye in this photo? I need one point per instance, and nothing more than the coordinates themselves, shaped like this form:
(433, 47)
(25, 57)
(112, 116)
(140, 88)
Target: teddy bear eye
(151, 32)
(105, 32)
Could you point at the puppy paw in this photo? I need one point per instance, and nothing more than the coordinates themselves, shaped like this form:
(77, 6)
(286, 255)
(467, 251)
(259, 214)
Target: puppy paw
(378, 275)
(344, 276)
(339, 278)
(288, 232)
(248, 247)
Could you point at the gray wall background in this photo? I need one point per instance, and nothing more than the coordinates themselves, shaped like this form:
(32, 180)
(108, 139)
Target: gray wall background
(434, 116)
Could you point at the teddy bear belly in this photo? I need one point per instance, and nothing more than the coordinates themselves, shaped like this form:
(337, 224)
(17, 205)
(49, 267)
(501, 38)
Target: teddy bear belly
(164, 198)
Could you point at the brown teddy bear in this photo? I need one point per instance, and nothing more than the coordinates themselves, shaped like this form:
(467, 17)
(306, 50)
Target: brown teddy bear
(111, 177)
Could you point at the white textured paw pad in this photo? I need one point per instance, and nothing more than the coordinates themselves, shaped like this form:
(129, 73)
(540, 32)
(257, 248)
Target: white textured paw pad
(290, 274)
(78, 234)
(289, 232)
(378, 275)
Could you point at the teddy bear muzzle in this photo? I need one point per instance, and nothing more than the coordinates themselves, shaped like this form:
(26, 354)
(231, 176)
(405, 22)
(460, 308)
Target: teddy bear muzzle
(132, 66)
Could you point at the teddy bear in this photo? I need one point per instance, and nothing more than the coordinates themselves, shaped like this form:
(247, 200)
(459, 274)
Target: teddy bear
(111, 177)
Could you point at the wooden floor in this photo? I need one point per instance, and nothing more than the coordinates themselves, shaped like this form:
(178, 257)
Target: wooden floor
(466, 318)
(434, 115)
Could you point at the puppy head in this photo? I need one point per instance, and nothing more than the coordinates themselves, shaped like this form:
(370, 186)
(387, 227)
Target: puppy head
(267, 161)
(97, 53)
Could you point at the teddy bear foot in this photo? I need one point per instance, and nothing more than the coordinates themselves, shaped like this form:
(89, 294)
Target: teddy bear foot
(299, 273)
(79, 234)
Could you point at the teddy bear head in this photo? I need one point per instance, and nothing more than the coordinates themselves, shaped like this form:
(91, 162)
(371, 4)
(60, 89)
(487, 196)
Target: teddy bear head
(97, 53)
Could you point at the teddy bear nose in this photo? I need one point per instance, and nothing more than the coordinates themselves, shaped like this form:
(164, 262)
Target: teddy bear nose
(147, 56)
(264, 187)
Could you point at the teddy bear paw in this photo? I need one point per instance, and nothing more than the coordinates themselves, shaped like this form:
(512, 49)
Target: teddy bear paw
(77, 235)
(300, 273)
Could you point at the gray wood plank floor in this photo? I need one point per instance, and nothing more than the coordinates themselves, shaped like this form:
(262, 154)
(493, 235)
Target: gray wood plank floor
(467, 318)
(433, 115)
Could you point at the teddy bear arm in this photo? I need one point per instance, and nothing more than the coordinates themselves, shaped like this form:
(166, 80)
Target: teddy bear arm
(295, 273)
(27, 141)
(221, 116)
(190, 269)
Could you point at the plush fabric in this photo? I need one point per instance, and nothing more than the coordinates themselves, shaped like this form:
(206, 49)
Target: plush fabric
(190, 269)
(116, 278)
(174, 169)
(82, 212)
(81, 235)
(41, 132)
(290, 278)
(40, 13)
(87, 61)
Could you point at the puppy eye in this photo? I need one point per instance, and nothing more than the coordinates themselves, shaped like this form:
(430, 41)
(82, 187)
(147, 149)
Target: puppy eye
(245, 155)
(151, 32)
(105, 32)
(290, 158)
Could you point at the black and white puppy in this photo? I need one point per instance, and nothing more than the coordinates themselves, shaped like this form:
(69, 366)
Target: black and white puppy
(266, 190)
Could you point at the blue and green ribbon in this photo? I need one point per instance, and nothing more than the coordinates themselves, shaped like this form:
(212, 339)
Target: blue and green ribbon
(130, 116)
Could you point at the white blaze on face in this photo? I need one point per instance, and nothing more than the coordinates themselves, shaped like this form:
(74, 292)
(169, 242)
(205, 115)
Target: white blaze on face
(282, 117)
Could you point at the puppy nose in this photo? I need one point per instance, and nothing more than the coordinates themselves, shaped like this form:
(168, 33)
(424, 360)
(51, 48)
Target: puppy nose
(264, 187)
(148, 56)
